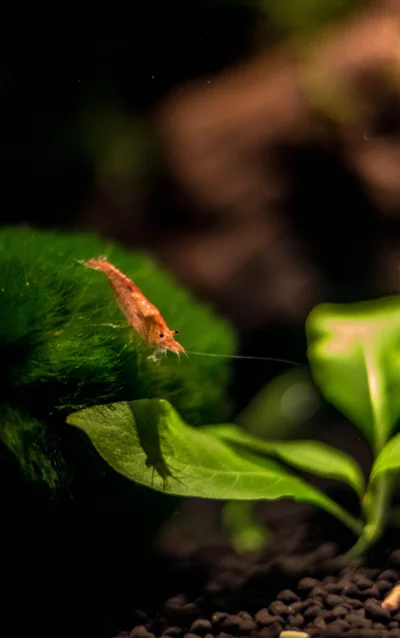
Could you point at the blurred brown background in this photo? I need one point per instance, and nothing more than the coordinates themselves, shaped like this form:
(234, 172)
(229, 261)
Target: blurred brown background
(251, 147)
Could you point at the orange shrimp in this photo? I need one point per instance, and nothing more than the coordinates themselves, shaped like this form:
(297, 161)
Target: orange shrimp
(144, 318)
(147, 320)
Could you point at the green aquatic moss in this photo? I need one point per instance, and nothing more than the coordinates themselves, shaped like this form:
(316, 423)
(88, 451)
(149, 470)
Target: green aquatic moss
(65, 344)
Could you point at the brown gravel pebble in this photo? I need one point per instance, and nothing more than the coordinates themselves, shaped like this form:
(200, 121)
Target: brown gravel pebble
(263, 618)
(231, 623)
(277, 608)
(201, 627)
(287, 596)
(218, 617)
(307, 584)
(247, 627)
(174, 632)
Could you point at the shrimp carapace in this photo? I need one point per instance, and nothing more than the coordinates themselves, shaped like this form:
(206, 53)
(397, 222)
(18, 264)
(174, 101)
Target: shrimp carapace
(142, 315)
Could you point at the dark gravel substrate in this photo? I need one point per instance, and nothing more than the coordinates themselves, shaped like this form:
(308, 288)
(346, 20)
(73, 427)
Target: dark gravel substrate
(347, 602)
(295, 585)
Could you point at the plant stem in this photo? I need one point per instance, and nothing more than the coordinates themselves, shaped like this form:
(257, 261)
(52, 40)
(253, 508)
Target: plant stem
(376, 508)
(377, 498)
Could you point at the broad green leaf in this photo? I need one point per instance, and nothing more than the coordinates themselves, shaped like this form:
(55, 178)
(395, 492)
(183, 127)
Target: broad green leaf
(389, 459)
(310, 456)
(147, 441)
(354, 354)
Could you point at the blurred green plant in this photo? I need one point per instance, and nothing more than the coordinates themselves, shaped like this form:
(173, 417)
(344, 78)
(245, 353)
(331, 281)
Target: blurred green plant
(355, 359)
(307, 16)
(354, 354)
(302, 17)
(246, 535)
(116, 143)
(282, 408)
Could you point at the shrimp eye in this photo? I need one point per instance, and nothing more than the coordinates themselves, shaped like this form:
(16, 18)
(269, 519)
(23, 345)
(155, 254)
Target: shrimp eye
(161, 335)
(175, 332)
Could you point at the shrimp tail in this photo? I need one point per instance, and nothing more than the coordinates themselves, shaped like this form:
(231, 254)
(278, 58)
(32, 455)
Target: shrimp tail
(95, 264)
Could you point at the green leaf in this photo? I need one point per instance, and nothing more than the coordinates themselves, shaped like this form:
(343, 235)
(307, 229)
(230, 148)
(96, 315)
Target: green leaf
(147, 441)
(354, 354)
(282, 407)
(389, 459)
(310, 456)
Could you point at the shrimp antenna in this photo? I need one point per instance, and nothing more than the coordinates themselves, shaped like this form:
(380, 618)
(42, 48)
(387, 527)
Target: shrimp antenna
(242, 356)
